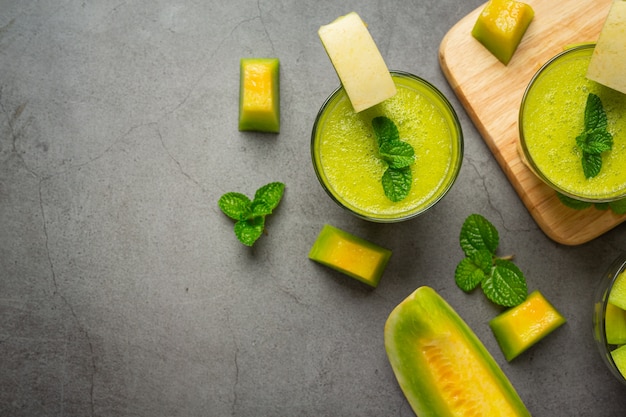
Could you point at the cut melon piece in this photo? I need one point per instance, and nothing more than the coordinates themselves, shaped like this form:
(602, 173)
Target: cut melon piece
(349, 254)
(617, 296)
(608, 62)
(522, 326)
(441, 366)
(357, 61)
(501, 26)
(619, 357)
(615, 325)
(259, 95)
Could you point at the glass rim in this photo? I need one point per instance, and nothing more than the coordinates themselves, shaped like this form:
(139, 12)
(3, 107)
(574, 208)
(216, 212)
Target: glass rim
(455, 126)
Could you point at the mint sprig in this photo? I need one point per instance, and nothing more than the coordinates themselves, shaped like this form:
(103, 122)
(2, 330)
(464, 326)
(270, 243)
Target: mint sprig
(500, 279)
(595, 139)
(249, 215)
(617, 207)
(572, 202)
(398, 155)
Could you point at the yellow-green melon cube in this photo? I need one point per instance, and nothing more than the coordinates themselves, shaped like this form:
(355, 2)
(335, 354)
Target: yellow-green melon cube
(520, 327)
(501, 26)
(617, 296)
(615, 325)
(259, 95)
(349, 254)
(619, 357)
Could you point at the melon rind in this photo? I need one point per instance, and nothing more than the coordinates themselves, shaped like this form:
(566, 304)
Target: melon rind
(440, 364)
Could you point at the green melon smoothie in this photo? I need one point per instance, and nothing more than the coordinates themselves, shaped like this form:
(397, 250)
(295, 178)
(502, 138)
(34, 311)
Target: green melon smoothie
(552, 116)
(346, 158)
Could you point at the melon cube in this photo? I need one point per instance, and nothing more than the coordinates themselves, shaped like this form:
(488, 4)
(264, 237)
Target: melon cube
(501, 26)
(615, 325)
(617, 296)
(357, 61)
(349, 254)
(520, 327)
(259, 95)
(619, 357)
(608, 62)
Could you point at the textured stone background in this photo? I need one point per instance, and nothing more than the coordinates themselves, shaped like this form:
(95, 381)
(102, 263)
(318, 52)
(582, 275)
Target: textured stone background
(123, 291)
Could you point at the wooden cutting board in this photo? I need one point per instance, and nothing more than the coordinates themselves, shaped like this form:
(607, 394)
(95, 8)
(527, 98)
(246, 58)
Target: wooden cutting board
(491, 94)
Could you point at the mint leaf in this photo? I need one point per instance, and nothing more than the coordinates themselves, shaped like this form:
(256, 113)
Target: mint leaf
(601, 141)
(483, 259)
(260, 208)
(595, 116)
(250, 214)
(270, 194)
(573, 203)
(602, 206)
(235, 205)
(468, 275)
(506, 286)
(595, 139)
(477, 233)
(397, 183)
(248, 231)
(592, 164)
(619, 206)
(385, 130)
(397, 153)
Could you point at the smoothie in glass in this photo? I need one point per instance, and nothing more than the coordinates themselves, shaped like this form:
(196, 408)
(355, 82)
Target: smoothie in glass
(552, 116)
(345, 151)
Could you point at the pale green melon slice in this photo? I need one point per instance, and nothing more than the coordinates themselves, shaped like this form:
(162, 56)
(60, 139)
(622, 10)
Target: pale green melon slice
(618, 292)
(615, 325)
(619, 357)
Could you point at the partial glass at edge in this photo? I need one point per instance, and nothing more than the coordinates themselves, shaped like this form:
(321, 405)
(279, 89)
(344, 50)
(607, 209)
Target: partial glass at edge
(600, 301)
(524, 152)
(455, 166)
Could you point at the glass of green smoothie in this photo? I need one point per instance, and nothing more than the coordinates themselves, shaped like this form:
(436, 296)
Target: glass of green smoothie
(552, 119)
(346, 154)
(609, 318)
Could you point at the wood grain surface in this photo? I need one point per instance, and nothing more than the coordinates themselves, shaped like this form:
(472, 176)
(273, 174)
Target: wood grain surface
(491, 94)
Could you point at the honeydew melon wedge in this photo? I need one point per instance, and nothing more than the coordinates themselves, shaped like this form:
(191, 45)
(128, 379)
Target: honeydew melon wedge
(357, 61)
(608, 62)
(441, 366)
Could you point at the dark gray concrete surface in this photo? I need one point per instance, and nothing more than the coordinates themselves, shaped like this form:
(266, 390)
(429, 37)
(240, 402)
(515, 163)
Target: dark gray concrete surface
(123, 291)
